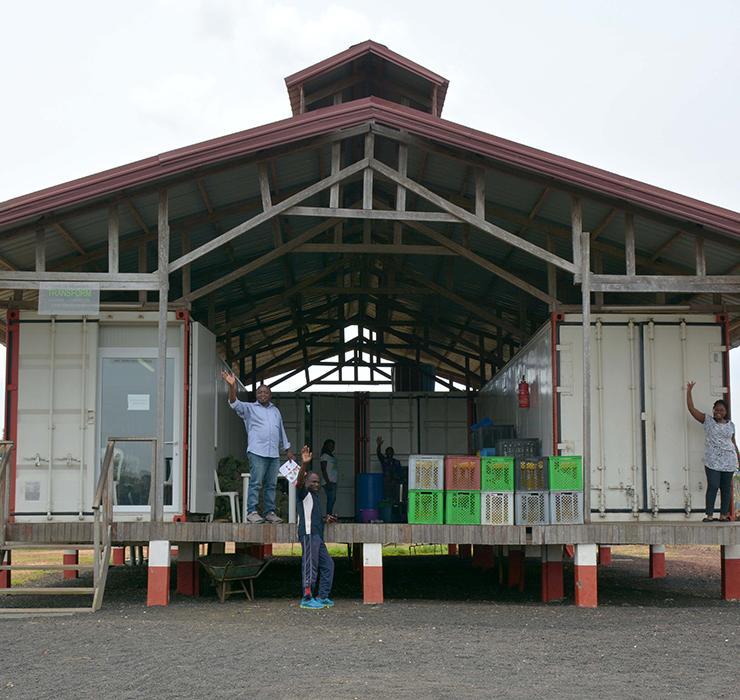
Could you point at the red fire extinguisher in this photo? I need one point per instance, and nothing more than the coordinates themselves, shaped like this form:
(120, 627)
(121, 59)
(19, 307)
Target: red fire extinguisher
(523, 394)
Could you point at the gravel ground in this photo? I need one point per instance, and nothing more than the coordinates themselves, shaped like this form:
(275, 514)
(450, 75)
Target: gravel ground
(446, 631)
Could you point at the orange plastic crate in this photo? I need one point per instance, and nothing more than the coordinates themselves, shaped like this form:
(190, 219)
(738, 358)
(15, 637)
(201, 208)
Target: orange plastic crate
(462, 473)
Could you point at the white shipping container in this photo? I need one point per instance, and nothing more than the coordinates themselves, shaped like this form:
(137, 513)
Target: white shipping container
(646, 450)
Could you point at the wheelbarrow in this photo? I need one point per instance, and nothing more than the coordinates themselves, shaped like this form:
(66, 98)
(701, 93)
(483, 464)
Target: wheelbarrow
(233, 573)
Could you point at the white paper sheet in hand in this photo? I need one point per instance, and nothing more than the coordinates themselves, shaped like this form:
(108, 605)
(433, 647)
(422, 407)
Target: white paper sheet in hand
(290, 471)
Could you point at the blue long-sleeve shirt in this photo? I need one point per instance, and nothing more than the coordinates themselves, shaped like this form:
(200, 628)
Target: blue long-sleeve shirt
(264, 425)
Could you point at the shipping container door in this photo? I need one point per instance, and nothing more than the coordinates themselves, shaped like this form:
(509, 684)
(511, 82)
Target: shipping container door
(333, 418)
(443, 425)
(55, 454)
(395, 419)
(205, 370)
(675, 354)
(616, 431)
(293, 410)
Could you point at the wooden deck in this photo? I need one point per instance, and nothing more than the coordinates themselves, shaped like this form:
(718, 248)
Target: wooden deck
(677, 533)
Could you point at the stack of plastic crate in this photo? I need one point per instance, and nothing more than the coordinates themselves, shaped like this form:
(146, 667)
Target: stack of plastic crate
(497, 490)
(565, 474)
(532, 503)
(462, 490)
(426, 489)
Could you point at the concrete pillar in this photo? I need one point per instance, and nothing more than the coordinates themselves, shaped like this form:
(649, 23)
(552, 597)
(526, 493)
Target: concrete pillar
(188, 576)
(357, 557)
(586, 576)
(71, 557)
(730, 571)
(657, 561)
(118, 556)
(372, 573)
(452, 550)
(516, 567)
(605, 554)
(5, 575)
(158, 575)
(552, 573)
(483, 556)
(465, 550)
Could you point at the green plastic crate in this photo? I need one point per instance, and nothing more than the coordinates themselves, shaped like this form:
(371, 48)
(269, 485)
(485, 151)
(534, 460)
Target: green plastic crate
(426, 507)
(462, 507)
(566, 473)
(497, 474)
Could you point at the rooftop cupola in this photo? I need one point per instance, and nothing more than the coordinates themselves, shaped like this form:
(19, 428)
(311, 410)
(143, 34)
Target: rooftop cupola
(366, 70)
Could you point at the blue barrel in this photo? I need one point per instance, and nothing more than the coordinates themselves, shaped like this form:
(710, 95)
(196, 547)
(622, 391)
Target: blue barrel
(368, 491)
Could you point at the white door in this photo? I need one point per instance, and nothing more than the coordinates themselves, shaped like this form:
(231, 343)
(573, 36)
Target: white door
(127, 407)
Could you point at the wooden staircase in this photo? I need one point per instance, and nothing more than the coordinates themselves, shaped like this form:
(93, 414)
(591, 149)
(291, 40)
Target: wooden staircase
(101, 547)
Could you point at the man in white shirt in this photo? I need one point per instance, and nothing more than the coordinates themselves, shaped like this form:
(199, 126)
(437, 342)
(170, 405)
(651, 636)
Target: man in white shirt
(265, 436)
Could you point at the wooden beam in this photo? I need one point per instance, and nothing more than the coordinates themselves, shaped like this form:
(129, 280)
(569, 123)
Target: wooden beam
(473, 220)
(367, 175)
(261, 218)
(113, 230)
(384, 215)
(629, 243)
(576, 224)
(480, 261)
(586, 379)
(599, 228)
(480, 193)
(374, 249)
(40, 249)
(67, 236)
(701, 261)
(264, 186)
(688, 284)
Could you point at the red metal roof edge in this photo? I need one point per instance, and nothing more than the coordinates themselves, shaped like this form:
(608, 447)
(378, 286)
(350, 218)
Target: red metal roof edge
(325, 120)
(294, 81)
(354, 52)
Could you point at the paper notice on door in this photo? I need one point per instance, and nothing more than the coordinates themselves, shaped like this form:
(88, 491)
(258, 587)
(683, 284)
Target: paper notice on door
(290, 471)
(138, 402)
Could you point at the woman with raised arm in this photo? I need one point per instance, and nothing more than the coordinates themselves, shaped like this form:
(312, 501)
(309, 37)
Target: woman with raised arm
(721, 455)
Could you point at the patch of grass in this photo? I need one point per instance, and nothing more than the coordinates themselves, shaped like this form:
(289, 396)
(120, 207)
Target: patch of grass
(41, 556)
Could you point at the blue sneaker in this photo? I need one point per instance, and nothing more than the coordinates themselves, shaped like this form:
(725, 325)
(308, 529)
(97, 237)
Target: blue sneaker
(311, 604)
(326, 602)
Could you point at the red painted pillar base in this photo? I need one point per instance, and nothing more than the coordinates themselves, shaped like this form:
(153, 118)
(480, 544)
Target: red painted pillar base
(586, 576)
(372, 574)
(261, 551)
(452, 550)
(730, 572)
(483, 556)
(188, 578)
(552, 573)
(569, 551)
(118, 556)
(516, 568)
(158, 575)
(465, 550)
(5, 575)
(657, 561)
(71, 557)
(605, 554)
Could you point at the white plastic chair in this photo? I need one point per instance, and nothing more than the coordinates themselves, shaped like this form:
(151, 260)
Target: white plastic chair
(233, 497)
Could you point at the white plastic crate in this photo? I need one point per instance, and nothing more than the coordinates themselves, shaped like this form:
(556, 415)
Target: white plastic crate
(496, 508)
(531, 508)
(426, 472)
(566, 507)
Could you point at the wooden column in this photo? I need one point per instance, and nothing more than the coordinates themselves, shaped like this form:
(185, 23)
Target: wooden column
(41, 249)
(576, 221)
(113, 226)
(586, 326)
(163, 257)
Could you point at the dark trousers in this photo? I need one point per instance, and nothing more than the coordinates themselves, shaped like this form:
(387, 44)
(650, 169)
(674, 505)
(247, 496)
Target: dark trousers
(316, 563)
(722, 481)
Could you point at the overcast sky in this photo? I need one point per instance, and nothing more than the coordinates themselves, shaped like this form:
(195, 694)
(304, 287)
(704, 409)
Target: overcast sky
(645, 89)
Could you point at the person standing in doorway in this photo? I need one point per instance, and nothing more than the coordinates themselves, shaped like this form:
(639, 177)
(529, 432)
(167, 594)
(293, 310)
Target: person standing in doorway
(265, 436)
(329, 471)
(721, 456)
(392, 470)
